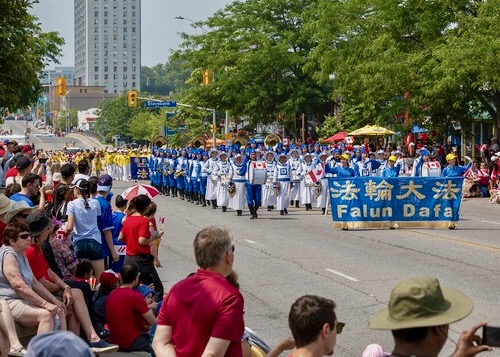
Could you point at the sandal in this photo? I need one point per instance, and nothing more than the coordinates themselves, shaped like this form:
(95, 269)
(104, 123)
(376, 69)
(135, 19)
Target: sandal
(18, 352)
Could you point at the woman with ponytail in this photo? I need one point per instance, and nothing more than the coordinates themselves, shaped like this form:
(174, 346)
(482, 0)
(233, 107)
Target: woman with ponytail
(82, 223)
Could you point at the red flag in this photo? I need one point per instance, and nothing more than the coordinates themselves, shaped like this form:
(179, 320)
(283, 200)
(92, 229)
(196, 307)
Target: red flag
(162, 220)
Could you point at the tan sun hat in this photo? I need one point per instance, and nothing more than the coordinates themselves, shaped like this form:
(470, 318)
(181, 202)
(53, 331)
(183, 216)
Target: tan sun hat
(421, 302)
(5, 204)
(17, 207)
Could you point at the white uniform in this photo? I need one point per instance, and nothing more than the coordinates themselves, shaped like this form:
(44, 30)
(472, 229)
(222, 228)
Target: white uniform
(268, 194)
(321, 200)
(237, 202)
(295, 191)
(307, 191)
(224, 173)
(282, 174)
(208, 167)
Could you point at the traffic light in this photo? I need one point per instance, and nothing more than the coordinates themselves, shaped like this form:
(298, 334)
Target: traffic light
(61, 86)
(39, 113)
(208, 77)
(132, 98)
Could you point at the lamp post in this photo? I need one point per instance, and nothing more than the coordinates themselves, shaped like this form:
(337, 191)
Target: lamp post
(194, 24)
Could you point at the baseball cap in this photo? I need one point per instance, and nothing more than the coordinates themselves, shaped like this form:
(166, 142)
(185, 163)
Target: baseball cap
(104, 183)
(451, 157)
(23, 163)
(108, 277)
(82, 184)
(144, 290)
(421, 302)
(392, 158)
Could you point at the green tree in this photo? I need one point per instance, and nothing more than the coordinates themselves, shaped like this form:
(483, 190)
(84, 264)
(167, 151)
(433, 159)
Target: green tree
(24, 51)
(146, 125)
(389, 56)
(114, 117)
(257, 53)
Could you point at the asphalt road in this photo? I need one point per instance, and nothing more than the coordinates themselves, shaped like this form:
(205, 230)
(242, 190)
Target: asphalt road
(279, 259)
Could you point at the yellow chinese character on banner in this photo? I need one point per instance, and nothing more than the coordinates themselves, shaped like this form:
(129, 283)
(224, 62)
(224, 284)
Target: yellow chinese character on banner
(378, 192)
(347, 192)
(445, 190)
(411, 189)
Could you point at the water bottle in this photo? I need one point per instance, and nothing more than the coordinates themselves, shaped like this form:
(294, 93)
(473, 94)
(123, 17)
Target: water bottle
(57, 323)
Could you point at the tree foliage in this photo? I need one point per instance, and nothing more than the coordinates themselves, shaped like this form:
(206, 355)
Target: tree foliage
(163, 79)
(257, 52)
(436, 60)
(24, 52)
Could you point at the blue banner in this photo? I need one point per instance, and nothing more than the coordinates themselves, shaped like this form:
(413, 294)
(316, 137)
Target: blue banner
(139, 169)
(408, 201)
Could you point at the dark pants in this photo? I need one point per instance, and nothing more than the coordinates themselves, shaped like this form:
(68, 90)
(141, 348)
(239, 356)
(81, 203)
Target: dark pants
(148, 272)
(140, 344)
(87, 295)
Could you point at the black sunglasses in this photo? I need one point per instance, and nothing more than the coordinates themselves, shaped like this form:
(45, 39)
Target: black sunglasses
(23, 215)
(340, 327)
(23, 235)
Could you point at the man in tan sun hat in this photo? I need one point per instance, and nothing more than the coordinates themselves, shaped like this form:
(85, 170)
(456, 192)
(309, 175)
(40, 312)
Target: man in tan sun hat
(419, 313)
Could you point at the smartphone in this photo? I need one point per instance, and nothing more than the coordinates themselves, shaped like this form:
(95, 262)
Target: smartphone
(491, 336)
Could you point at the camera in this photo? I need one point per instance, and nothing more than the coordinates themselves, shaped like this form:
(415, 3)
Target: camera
(491, 336)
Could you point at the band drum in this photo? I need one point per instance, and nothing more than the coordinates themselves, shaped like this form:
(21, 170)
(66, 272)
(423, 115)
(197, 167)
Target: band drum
(257, 173)
(431, 169)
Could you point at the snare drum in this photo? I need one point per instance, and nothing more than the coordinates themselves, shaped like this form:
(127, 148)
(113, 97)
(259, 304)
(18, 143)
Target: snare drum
(224, 180)
(431, 169)
(257, 172)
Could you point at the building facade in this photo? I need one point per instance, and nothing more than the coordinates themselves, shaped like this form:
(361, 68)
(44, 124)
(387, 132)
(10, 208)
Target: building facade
(108, 44)
(49, 75)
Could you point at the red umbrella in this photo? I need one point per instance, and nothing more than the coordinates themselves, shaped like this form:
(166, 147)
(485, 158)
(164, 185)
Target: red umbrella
(337, 137)
(140, 189)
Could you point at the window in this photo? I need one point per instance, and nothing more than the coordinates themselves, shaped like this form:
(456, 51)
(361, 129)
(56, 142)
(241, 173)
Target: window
(115, 76)
(133, 85)
(96, 13)
(124, 45)
(124, 37)
(105, 76)
(124, 84)
(115, 69)
(96, 69)
(133, 76)
(96, 77)
(106, 69)
(124, 68)
(115, 29)
(124, 22)
(125, 76)
(124, 29)
(133, 29)
(105, 14)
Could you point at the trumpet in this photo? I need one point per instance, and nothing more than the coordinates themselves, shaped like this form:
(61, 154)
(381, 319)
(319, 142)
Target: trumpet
(164, 171)
(170, 169)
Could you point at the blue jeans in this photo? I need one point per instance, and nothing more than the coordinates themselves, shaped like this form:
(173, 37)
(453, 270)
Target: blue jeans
(88, 249)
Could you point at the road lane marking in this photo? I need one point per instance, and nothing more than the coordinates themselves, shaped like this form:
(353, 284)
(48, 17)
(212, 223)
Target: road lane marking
(490, 222)
(458, 241)
(342, 275)
(250, 241)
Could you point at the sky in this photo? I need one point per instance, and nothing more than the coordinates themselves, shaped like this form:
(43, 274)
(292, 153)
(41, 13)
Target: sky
(160, 31)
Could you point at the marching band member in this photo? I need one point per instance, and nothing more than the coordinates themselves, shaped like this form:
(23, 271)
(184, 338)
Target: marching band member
(419, 162)
(160, 163)
(401, 161)
(268, 192)
(203, 178)
(195, 175)
(253, 192)
(171, 170)
(454, 170)
(322, 184)
(281, 182)
(180, 171)
(343, 170)
(211, 192)
(295, 164)
(238, 184)
(188, 185)
(307, 191)
(223, 171)
(165, 173)
(126, 166)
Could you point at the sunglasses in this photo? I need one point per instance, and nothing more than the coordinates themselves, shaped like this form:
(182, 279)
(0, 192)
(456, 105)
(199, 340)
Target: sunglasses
(340, 327)
(22, 215)
(24, 235)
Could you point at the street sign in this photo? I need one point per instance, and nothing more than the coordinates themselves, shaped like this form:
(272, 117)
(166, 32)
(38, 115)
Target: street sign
(170, 132)
(167, 104)
(181, 128)
(170, 114)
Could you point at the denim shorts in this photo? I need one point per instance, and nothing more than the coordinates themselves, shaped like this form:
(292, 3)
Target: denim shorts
(88, 249)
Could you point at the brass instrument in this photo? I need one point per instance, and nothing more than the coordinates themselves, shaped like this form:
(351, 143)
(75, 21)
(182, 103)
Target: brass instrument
(164, 171)
(241, 141)
(197, 142)
(179, 173)
(277, 189)
(170, 169)
(318, 188)
(159, 141)
(272, 140)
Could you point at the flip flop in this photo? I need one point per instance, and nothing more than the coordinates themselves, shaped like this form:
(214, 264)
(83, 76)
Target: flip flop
(18, 352)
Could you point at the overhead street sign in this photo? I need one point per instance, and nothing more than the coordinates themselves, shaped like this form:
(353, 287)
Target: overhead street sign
(167, 104)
